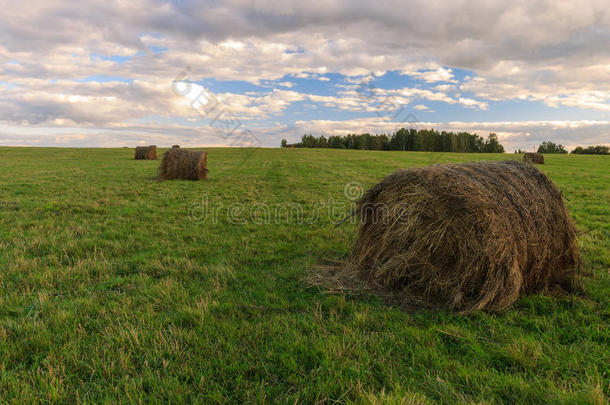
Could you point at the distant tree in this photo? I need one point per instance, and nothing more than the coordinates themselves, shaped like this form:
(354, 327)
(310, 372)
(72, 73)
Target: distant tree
(399, 140)
(592, 150)
(362, 141)
(350, 141)
(492, 145)
(336, 142)
(408, 140)
(309, 141)
(551, 147)
(478, 144)
(284, 143)
(378, 142)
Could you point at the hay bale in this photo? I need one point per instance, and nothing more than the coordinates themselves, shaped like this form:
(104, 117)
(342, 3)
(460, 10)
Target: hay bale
(184, 164)
(537, 158)
(175, 146)
(146, 152)
(464, 236)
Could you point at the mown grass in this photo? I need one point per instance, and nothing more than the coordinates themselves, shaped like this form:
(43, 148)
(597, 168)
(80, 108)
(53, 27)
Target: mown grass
(115, 288)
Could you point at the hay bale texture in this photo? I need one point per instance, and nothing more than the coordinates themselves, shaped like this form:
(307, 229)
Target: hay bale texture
(184, 164)
(464, 236)
(146, 152)
(537, 158)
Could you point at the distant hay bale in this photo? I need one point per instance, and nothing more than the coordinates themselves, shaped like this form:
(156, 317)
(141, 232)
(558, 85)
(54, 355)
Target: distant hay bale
(464, 236)
(146, 152)
(537, 158)
(175, 146)
(184, 164)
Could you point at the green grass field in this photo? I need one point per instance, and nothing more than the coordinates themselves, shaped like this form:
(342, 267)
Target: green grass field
(116, 288)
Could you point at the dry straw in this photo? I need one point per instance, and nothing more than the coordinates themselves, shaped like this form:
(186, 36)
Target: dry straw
(537, 158)
(146, 152)
(184, 164)
(464, 236)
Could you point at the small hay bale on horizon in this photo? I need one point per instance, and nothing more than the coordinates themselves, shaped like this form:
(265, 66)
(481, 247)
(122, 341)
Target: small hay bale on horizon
(536, 158)
(146, 152)
(466, 237)
(184, 164)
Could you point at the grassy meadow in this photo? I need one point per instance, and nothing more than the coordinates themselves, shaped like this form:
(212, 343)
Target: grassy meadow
(118, 288)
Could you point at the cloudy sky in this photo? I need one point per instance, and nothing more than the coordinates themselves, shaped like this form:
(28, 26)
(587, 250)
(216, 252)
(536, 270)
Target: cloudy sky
(210, 73)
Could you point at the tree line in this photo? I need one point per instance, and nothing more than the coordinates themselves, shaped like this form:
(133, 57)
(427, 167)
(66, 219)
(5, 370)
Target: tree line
(551, 147)
(592, 150)
(428, 140)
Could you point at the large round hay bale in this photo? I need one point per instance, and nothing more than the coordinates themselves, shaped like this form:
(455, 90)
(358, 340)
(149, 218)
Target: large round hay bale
(464, 236)
(175, 146)
(537, 158)
(184, 164)
(146, 152)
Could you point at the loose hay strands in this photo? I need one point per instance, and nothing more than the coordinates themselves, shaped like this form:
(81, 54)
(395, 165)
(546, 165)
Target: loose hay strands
(464, 236)
(537, 158)
(184, 164)
(146, 152)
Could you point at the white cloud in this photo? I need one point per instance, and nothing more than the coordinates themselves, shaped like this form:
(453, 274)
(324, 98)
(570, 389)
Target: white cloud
(541, 50)
(471, 103)
(433, 76)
